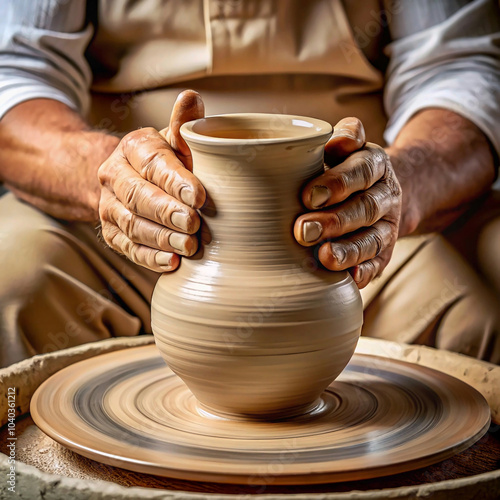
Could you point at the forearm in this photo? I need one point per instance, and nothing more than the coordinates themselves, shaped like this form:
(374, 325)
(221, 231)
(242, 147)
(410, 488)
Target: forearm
(49, 157)
(443, 163)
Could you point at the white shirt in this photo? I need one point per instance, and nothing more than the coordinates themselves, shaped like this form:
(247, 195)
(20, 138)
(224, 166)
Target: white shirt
(443, 54)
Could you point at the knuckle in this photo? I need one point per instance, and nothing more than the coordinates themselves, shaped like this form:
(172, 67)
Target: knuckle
(377, 240)
(131, 253)
(102, 173)
(393, 238)
(389, 232)
(129, 140)
(394, 234)
(105, 233)
(364, 168)
(337, 222)
(393, 184)
(377, 160)
(376, 150)
(114, 241)
(367, 168)
(126, 221)
(341, 181)
(147, 131)
(172, 183)
(134, 138)
(163, 212)
(384, 259)
(371, 207)
(357, 250)
(132, 190)
(104, 214)
(151, 164)
(161, 237)
(371, 270)
(368, 160)
(129, 248)
(378, 270)
(109, 170)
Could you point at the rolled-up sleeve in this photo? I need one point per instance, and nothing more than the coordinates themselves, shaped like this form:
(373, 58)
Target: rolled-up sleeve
(447, 55)
(42, 50)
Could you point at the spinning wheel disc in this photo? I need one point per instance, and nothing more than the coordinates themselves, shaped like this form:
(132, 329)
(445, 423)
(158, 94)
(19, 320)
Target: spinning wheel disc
(379, 417)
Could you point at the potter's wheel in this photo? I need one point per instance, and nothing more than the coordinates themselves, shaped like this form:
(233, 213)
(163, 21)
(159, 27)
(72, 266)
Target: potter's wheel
(379, 417)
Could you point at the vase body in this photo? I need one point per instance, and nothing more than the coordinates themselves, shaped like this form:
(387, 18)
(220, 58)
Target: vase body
(251, 323)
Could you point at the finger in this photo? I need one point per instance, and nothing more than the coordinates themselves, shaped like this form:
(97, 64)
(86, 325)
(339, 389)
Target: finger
(188, 106)
(360, 171)
(348, 136)
(358, 247)
(152, 157)
(156, 260)
(363, 273)
(146, 232)
(149, 201)
(361, 210)
(366, 272)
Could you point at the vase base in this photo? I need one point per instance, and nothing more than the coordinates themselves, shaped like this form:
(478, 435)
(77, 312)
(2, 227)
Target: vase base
(309, 410)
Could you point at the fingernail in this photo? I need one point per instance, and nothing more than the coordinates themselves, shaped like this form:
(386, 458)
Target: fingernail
(311, 231)
(187, 196)
(180, 220)
(163, 258)
(319, 196)
(177, 241)
(338, 253)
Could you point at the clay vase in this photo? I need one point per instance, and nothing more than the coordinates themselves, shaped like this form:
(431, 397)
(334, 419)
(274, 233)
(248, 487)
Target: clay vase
(251, 324)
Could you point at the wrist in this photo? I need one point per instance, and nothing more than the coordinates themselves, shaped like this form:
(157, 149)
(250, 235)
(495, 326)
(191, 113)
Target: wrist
(94, 147)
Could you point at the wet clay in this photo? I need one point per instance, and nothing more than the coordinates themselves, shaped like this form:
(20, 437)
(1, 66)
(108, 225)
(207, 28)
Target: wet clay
(251, 324)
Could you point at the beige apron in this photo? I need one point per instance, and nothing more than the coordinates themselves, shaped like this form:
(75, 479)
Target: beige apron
(275, 56)
(61, 287)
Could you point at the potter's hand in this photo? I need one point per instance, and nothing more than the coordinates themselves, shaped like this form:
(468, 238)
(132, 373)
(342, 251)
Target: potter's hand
(149, 195)
(357, 206)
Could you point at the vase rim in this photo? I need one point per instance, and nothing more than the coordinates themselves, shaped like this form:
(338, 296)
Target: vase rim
(270, 128)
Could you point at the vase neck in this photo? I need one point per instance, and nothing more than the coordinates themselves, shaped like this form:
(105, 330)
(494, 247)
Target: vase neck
(253, 199)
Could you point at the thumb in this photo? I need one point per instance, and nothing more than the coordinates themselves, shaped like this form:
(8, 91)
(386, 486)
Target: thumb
(188, 106)
(348, 136)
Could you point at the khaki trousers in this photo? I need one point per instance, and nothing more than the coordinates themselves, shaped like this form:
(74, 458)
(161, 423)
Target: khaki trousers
(60, 286)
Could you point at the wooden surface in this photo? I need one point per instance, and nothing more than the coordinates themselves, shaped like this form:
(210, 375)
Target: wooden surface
(380, 417)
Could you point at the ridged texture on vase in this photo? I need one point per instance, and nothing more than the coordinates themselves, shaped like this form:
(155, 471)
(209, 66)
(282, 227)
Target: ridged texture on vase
(251, 324)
